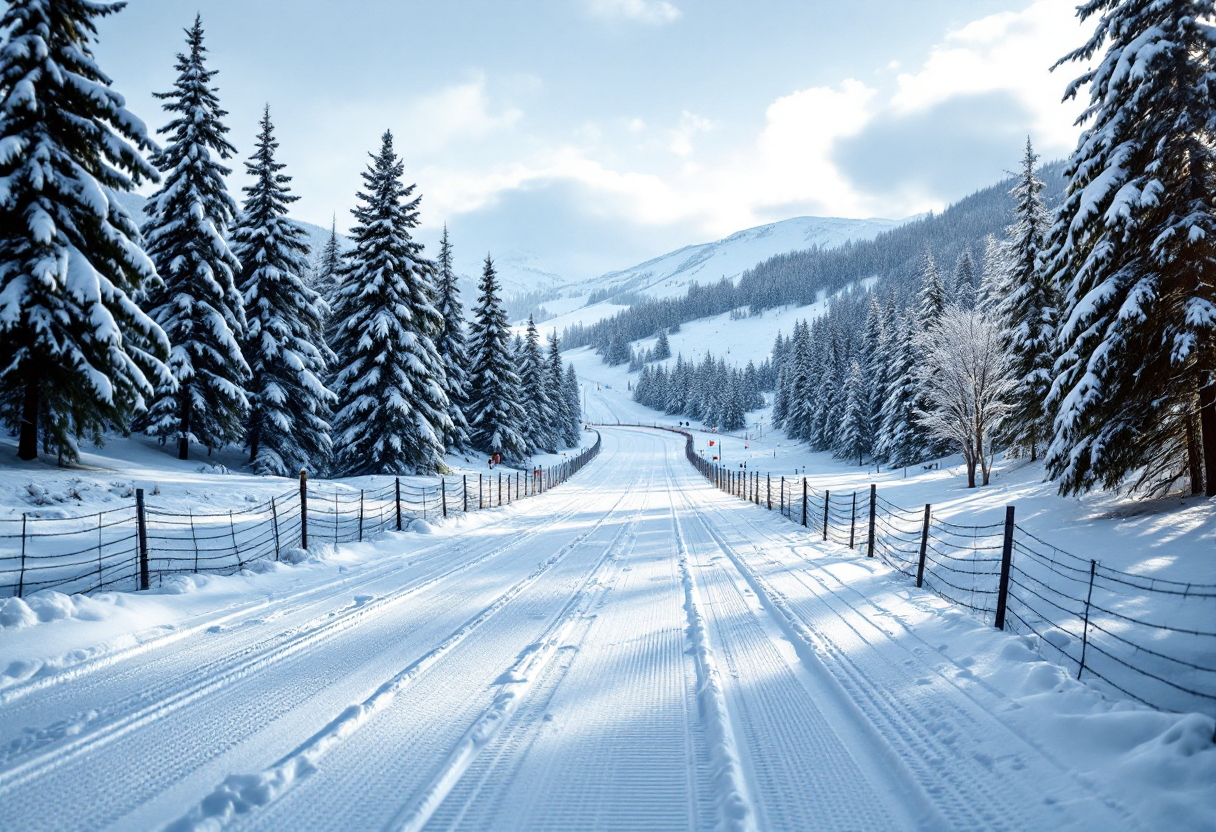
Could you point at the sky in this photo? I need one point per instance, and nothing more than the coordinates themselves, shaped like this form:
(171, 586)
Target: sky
(589, 135)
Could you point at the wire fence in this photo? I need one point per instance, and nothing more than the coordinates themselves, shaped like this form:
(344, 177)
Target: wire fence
(132, 547)
(1148, 638)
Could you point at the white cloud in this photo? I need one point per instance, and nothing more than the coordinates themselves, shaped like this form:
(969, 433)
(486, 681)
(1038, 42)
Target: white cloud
(1009, 52)
(458, 112)
(681, 136)
(649, 12)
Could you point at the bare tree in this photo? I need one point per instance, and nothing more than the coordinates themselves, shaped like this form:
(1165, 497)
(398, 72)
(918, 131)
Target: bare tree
(967, 381)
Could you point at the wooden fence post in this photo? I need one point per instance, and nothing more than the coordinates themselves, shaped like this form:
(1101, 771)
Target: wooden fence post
(303, 509)
(141, 525)
(500, 489)
(804, 502)
(360, 515)
(464, 489)
(481, 495)
(781, 502)
(1089, 596)
(397, 497)
(873, 501)
(827, 496)
(768, 486)
(443, 495)
(1002, 591)
(924, 547)
(853, 522)
(21, 576)
(274, 519)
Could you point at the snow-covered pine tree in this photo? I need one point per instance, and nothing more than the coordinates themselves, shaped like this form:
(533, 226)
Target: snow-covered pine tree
(854, 437)
(572, 396)
(329, 265)
(390, 384)
(902, 439)
(964, 280)
(289, 404)
(198, 305)
(1133, 248)
(452, 349)
(1027, 312)
(874, 362)
(540, 432)
(496, 418)
(77, 355)
(566, 423)
(995, 280)
(662, 347)
(732, 412)
(932, 298)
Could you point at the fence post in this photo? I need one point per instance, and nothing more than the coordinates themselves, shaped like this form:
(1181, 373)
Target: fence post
(781, 498)
(768, 485)
(397, 499)
(274, 520)
(827, 496)
(873, 501)
(804, 502)
(235, 549)
(500, 489)
(853, 521)
(303, 509)
(481, 495)
(21, 576)
(464, 489)
(924, 547)
(443, 495)
(1093, 565)
(1002, 593)
(361, 515)
(141, 525)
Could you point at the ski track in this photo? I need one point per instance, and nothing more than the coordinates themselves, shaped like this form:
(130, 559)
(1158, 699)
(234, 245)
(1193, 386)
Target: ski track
(636, 651)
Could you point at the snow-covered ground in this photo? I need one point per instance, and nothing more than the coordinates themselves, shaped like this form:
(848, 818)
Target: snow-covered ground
(633, 650)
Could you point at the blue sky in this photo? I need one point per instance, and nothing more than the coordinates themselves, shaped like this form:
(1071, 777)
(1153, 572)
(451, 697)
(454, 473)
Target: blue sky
(593, 134)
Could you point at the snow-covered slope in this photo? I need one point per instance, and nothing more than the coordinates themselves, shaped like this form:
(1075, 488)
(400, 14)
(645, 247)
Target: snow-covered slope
(671, 274)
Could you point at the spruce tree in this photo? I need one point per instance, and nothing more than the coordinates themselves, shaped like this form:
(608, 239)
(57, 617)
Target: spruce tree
(329, 265)
(390, 382)
(854, 439)
(452, 349)
(932, 298)
(902, 440)
(289, 404)
(964, 280)
(496, 418)
(1134, 250)
(1027, 312)
(662, 348)
(566, 424)
(538, 408)
(575, 401)
(198, 305)
(77, 355)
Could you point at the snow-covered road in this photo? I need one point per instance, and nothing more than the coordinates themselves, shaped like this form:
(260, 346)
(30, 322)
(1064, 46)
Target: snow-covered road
(634, 650)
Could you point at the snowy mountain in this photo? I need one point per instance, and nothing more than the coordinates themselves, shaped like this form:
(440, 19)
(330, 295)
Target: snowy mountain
(671, 274)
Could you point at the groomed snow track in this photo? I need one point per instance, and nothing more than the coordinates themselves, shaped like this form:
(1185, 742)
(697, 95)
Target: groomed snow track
(632, 651)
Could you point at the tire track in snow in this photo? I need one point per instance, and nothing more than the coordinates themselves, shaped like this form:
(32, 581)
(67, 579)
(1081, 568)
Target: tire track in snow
(953, 750)
(240, 795)
(68, 741)
(608, 738)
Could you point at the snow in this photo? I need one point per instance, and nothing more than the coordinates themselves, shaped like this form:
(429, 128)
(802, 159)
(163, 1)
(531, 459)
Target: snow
(633, 649)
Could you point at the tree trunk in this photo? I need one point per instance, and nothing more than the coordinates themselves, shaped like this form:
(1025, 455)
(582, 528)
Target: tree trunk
(1194, 463)
(27, 444)
(1207, 425)
(183, 438)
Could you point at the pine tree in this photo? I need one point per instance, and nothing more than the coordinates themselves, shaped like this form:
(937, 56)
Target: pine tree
(662, 348)
(902, 440)
(855, 434)
(575, 401)
(932, 297)
(329, 265)
(198, 305)
(1134, 250)
(539, 431)
(452, 349)
(390, 380)
(566, 423)
(77, 355)
(289, 403)
(1027, 312)
(964, 280)
(496, 417)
